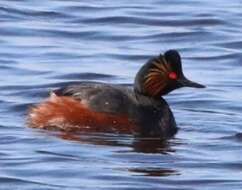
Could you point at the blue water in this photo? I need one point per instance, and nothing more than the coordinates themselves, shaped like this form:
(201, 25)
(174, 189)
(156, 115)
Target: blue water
(47, 44)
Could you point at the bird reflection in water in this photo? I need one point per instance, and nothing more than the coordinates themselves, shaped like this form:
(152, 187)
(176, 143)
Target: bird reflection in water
(153, 172)
(142, 145)
(135, 145)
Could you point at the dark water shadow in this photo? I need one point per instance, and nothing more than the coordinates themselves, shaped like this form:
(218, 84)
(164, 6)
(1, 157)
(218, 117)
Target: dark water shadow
(137, 144)
(153, 172)
(236, 137)
(149, 146)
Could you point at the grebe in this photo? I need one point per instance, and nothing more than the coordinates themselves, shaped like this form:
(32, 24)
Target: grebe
(100, 107)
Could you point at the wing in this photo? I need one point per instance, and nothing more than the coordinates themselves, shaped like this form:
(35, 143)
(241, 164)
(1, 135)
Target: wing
(99, 97)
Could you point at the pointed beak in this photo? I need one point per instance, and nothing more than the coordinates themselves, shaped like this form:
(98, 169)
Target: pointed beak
(187, 83)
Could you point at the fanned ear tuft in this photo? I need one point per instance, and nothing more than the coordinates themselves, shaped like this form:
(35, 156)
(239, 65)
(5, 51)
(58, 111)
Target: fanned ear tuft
(157, 76)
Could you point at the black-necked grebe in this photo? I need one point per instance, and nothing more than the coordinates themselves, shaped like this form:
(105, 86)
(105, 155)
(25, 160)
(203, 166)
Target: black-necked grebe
(95, 106)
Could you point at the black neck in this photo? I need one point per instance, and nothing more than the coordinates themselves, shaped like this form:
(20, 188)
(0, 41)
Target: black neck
(147, 100)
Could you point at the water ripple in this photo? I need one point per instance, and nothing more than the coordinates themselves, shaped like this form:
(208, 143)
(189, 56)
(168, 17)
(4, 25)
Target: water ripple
(49, 44)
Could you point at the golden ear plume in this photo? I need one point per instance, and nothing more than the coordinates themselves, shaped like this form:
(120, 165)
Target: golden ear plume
(157, 76)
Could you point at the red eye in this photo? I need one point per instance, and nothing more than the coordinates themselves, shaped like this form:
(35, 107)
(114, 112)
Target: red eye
(172, 75)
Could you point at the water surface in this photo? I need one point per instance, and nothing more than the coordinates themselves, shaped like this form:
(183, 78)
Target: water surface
(47, 44)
